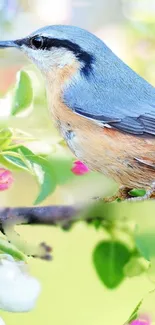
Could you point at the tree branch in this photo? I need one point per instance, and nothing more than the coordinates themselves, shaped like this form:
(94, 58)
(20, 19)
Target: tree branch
(63, 216)
(47, 215)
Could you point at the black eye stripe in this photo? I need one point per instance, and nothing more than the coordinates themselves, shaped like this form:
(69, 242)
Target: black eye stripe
(39, 42)
(48, 43)
(85, 57)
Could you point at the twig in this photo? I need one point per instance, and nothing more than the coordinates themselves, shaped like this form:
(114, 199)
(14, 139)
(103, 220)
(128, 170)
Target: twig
(47, 215)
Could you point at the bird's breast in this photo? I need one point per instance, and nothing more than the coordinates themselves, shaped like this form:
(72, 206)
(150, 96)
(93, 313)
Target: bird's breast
(66, 121)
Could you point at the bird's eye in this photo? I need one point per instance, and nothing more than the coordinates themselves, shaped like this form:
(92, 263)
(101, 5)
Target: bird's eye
(36, 42)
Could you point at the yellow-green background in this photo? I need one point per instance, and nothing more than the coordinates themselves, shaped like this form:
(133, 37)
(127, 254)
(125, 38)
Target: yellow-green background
(71, 291)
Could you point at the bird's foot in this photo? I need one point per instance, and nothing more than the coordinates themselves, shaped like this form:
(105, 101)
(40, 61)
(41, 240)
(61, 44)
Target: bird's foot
(121, 195)
(124, 195)
(148, 195)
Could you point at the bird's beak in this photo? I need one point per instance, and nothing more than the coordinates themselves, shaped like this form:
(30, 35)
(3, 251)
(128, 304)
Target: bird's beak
(7, 44)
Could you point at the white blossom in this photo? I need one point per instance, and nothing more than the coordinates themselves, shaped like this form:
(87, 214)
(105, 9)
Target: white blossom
(18, 290)
(1, 321)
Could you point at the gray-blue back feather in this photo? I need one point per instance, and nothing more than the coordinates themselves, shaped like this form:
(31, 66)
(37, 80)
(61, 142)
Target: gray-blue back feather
(111, 93)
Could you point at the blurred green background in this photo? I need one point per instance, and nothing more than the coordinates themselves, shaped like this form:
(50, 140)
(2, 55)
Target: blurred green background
(71, 291)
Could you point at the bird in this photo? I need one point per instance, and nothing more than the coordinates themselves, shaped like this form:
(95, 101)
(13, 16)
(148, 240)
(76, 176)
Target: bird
(103, 109)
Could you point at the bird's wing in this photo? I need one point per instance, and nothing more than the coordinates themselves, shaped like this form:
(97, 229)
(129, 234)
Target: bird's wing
(140, 124)
(126, 103)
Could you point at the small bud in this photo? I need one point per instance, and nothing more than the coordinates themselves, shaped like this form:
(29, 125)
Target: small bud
(143, 320)
(139, 322)
(18, 290)
(79, 168)
(6, 179)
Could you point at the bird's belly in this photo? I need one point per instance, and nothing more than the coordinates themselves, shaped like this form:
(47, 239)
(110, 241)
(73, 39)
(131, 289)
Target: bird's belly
(129, 160)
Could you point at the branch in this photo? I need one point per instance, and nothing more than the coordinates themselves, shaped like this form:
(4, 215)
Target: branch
(47, 215)
(64, 216)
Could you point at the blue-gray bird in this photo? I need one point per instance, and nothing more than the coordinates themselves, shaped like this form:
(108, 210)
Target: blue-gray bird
(102, 108)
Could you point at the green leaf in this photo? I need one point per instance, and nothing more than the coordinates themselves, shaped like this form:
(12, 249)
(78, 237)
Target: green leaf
(118, 199)
(10, 249)
(97, 223)
(40, 168)
(135, 267)
(9, 165)
(15, 160)
(5, 138)
(137, 192)
(109, 258)
(62, 167)
(145, 242)
(46, 178)
(23, 93)
(134, 314)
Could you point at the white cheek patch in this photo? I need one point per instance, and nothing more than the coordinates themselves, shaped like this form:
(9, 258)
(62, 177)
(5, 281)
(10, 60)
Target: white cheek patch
(45, 60)
(62, 57)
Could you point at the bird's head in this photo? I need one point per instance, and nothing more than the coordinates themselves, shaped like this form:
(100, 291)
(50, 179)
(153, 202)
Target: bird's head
(59, 46)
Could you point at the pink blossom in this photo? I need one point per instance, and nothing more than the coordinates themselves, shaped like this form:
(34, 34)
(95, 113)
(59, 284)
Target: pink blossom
(139, 322)
(79, 168)
(143, 320)
(6, 179)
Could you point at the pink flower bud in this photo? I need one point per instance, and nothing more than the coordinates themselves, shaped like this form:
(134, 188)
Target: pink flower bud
(139, 322)
(143, 320)
(79, 168)
(6, 179)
